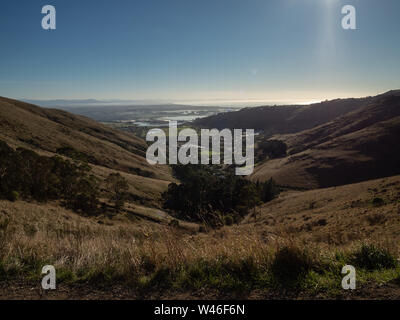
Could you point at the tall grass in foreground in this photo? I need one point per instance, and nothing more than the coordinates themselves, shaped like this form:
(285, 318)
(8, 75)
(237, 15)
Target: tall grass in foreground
(166, 258)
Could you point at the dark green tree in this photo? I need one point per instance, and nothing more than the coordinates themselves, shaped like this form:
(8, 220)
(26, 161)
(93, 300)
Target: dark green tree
(118, 186)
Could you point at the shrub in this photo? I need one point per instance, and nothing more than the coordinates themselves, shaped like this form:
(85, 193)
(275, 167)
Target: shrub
(76, 155)
(174, 223)
(269, 190)
(370, 257)
(377, 218)
(273, 148)
(229, 220)
(290, 263)
(321, 222)
(13, 196)
(118, 187)
(377, 202)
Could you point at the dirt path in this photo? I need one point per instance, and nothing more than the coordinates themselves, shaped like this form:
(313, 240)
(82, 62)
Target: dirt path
(24, 291)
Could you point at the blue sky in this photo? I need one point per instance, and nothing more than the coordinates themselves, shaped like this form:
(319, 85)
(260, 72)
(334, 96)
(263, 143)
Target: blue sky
(273, 50)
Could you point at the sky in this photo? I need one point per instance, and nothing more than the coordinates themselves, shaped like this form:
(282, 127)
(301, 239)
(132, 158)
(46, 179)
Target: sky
(199, 50)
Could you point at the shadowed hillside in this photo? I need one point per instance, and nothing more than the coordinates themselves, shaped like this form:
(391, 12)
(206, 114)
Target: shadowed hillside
(358, 146)
(287, 119)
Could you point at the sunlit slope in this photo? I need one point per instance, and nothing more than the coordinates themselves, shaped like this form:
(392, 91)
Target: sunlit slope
(338, 216)
(48, 130)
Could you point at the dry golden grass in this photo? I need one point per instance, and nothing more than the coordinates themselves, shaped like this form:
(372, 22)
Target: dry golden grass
(46, 130)
(148, 189)
(336, 216)
(146, 255)
(35, 234)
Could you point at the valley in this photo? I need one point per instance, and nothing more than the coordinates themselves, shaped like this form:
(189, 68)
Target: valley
(325, 195)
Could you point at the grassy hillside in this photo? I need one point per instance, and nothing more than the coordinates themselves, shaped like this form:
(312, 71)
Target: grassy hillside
(358, 146)
(291, 247)
(272, 254)
(335, 216)
(55, 131)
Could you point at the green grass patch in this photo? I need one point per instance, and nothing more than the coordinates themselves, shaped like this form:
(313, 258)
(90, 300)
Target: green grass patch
(371, 257)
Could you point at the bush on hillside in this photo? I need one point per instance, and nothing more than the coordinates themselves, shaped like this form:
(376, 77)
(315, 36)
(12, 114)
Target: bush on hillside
(118, 187)
(371, 257)
(27, 175)
(291, 263)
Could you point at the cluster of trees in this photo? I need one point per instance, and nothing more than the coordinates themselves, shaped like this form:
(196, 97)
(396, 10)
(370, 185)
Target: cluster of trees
(271, 149)
(207, 194)
(74, 154)
(25, 174)
(214, 197)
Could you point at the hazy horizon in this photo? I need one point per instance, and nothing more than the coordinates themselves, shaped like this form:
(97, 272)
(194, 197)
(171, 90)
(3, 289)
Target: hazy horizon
(205, 102)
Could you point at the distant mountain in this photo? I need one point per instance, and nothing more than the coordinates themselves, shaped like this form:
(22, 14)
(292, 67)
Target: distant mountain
(357, 146)
(54, 131)
(90, 102)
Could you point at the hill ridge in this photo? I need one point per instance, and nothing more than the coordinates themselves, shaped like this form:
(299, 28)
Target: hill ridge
(49, 130)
